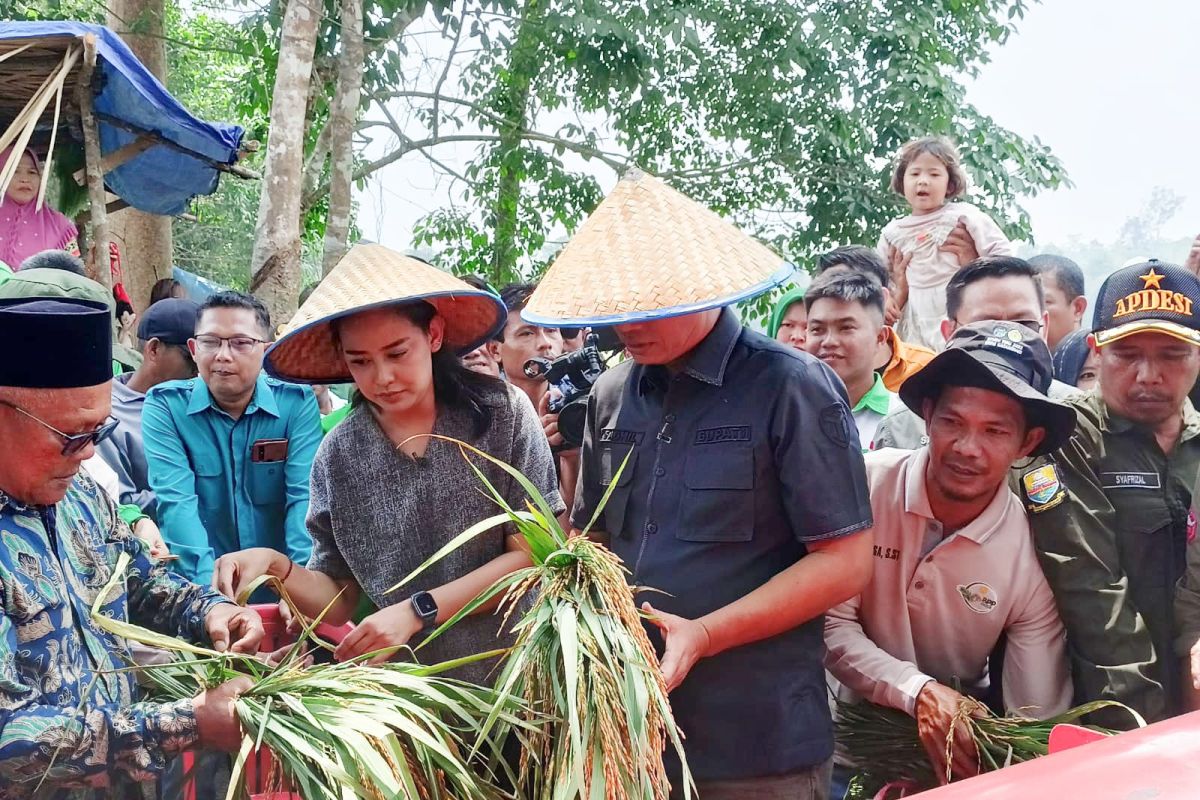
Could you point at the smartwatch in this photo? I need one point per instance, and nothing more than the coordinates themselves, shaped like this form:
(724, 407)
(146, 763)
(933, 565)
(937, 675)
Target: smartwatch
(426, 609)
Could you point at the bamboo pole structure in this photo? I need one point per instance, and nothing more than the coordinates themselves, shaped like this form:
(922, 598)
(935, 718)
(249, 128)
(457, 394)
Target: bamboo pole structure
(98, 261)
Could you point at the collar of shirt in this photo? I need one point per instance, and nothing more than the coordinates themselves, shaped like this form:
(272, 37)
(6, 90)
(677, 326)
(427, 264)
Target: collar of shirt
(906, 359)
(8, 502)
(1111, 422)
(916, 501)
(121, 392)
(262, 400)
(877, 398)
(706, 362)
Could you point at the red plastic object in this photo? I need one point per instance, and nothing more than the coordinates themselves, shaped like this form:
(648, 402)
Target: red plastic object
(1064, 737)
(1161, 761)
(902, 787)
(258, 765)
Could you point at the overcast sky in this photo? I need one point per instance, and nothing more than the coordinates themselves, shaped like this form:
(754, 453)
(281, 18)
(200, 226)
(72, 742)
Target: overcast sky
(1113, 87)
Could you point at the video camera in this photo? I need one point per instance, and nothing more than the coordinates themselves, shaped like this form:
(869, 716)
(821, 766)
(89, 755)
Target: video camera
(573, 375)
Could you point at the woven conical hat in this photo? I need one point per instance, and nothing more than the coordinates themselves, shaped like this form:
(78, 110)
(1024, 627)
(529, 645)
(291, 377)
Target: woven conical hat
(371, 276)
(649, 252)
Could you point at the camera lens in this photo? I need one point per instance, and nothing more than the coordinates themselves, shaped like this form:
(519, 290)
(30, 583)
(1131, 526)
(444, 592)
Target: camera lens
(571, 421)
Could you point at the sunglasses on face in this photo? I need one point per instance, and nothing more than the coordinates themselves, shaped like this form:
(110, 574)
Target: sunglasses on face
(72, 442)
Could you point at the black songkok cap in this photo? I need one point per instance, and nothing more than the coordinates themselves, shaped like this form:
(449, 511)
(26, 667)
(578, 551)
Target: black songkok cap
(55, 343)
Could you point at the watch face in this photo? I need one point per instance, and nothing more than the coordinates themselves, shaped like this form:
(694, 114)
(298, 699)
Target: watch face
(424, 604)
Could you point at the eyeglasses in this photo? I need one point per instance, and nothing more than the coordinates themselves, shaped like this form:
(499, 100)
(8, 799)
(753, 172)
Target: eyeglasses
(240, 345)
(72, 442)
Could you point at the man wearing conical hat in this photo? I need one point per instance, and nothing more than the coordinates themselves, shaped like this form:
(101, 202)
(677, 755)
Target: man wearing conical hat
(72, 724)
(742, 496)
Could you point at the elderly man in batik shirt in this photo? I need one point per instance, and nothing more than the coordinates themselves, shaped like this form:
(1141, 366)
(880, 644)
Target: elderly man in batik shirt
(72, 724)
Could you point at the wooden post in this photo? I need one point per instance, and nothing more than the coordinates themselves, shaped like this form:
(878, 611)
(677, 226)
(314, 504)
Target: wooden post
(98, 263)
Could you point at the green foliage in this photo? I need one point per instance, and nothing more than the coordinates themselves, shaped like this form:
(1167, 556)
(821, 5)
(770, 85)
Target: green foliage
(785, 116)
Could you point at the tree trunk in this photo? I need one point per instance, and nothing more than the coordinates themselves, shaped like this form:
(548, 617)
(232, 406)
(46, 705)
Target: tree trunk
(144, 239)
(343, 114)
(275, 264)
(514, 108)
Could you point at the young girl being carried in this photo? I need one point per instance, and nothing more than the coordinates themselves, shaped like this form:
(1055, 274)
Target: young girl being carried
(930, 176)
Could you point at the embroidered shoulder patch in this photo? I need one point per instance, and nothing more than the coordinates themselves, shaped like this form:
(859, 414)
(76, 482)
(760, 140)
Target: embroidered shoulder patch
(1043, 488)
(835, 424)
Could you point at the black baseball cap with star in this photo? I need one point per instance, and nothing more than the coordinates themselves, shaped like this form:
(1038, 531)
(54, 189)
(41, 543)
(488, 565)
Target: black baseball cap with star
(1150, 297)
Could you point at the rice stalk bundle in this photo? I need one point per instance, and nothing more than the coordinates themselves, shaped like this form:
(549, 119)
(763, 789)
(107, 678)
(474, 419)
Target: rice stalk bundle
(882, 743)
(582, 663)
(341, 731)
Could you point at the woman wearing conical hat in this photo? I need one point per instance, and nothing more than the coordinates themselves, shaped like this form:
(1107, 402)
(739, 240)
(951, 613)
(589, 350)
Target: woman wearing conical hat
(385, 495)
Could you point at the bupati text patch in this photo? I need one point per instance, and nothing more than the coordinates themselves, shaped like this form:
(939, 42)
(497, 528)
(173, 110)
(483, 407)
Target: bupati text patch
(730, 433)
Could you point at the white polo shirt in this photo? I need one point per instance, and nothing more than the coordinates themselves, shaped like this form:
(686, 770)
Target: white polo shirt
(937, 616)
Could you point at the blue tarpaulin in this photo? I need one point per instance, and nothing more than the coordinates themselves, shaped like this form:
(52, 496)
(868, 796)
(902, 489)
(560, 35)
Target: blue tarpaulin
(163, 179)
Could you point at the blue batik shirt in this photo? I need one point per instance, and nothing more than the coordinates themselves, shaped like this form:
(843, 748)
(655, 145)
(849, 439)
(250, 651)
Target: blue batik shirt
(68, 718)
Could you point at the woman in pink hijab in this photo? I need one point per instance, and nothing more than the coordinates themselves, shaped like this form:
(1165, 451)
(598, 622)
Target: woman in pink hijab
(24, 230)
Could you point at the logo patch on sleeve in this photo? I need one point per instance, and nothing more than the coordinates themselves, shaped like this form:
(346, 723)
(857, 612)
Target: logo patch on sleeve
(835, 424)
(979, 597)
(1043, 488)
(1191, 525)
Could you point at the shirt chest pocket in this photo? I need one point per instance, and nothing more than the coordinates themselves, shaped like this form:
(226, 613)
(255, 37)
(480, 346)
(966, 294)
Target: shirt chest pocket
(1144, 535)
(717, 501)
(266, 483)
(617, 462)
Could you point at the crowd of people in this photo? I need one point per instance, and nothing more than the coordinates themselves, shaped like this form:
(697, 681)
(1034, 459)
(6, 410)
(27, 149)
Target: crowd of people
(928, 481)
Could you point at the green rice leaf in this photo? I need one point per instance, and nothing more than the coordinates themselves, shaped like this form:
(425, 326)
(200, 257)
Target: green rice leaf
(455, 543)
(607, 493)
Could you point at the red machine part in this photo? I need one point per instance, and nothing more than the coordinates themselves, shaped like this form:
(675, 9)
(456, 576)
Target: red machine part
(1158, 762)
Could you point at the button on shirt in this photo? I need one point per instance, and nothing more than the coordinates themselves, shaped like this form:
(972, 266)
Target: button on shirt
(734, 463)
(937, 613)
(212, 498)
(123, 450)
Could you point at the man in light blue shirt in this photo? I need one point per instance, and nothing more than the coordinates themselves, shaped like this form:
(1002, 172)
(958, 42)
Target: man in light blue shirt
(230, 453)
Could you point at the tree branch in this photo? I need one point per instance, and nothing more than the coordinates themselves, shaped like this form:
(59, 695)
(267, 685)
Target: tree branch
(437, 87)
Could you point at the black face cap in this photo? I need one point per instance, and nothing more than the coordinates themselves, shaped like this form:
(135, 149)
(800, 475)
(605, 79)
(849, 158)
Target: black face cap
(1148, 297)
(55, 343)
(1001, 357)
(171, 321)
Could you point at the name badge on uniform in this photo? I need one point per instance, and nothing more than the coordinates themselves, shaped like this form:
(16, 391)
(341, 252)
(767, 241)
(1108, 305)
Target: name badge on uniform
(1043, 488)
(1130, 480)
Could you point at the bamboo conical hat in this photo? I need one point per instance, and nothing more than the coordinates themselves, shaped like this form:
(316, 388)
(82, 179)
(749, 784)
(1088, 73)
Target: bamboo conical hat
(649, 252)
(371, 276)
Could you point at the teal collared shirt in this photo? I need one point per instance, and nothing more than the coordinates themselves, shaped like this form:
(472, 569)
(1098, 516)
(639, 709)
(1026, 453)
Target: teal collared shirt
(212, 498)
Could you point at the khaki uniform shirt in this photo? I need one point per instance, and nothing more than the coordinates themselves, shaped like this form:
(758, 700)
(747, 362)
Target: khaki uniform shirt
(1109, 512)
(937, 616)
